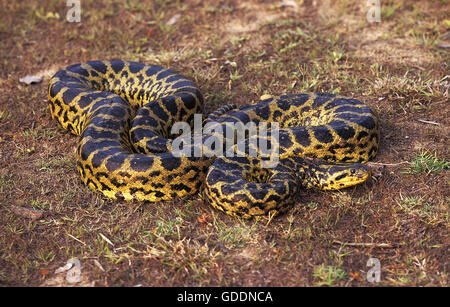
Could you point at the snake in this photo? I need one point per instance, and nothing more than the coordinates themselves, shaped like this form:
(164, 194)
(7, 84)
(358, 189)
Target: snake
(124, 113)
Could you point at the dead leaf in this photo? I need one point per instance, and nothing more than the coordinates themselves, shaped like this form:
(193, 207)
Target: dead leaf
(173, 19)
(26, 212)
(44, 273)
(149, 33)
(444, 45)
(30, 79)
(355, 275)
(204, 219)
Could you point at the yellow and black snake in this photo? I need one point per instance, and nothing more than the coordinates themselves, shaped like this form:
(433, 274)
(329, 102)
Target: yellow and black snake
(124, 112)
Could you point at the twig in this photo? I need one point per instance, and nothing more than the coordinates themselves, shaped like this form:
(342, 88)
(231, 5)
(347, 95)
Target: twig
(387, 164)
(383, 245)
(428, 122)
(76, 239)
(106, 239)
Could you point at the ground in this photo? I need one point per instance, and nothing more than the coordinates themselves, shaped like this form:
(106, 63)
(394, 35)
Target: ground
(236, 51)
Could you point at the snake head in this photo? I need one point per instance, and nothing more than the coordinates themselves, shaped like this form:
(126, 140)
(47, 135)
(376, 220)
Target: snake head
(335, 176)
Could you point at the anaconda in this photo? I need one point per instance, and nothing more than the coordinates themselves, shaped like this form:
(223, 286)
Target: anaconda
(124, 111)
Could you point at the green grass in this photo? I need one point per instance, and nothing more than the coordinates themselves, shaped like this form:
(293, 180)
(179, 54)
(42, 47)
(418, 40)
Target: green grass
(328, 275)
(168, 228)
(426, 162)
(235, 237)
(427, 210)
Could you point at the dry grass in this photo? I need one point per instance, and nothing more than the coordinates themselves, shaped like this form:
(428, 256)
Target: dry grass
(235, 51)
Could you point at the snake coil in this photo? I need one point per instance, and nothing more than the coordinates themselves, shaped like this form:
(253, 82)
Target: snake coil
(124, 112)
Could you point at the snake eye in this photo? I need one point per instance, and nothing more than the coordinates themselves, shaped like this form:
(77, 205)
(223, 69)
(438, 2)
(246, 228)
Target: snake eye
(352, 171)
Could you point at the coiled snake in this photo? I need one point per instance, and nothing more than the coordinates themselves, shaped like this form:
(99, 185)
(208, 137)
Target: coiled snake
(124, 112)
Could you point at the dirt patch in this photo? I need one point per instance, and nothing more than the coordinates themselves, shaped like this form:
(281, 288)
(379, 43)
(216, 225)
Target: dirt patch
(235, 51)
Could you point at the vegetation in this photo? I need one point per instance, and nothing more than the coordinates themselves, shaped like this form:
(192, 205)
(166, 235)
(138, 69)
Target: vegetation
(236, 51)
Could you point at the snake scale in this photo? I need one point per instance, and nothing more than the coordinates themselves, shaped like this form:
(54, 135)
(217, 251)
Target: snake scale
(124, 112)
